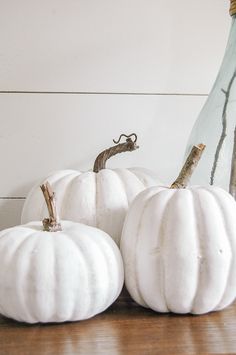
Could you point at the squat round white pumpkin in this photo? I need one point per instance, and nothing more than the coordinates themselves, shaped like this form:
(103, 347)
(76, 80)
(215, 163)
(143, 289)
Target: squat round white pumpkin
(99, 198)
(179, 248)
(55, 275)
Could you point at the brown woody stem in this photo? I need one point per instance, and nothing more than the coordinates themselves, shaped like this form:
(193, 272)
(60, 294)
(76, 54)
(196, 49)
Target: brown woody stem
(191, 162)
(232, 10)
(128, 146)
(52, 223)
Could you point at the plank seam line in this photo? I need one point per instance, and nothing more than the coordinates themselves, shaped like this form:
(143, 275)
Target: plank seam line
(102, 93)
(12, 198)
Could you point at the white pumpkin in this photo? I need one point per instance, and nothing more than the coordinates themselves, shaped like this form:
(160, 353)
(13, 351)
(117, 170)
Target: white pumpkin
(100, 199)
(179, 249)
(57, 276)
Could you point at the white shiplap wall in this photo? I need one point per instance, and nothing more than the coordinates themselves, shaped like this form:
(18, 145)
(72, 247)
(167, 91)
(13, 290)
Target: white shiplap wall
(75, 74)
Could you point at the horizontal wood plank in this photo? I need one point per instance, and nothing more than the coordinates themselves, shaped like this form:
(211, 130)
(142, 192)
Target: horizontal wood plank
(125, 328)
(43, 133)
(112, 46)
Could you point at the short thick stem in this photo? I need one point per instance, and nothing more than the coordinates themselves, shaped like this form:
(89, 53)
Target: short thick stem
(191, 162)
(52, 223)
(100, 162)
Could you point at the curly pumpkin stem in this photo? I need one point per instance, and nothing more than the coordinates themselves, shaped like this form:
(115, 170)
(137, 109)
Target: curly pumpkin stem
(189, 166)
(128, 146)
(52, 223)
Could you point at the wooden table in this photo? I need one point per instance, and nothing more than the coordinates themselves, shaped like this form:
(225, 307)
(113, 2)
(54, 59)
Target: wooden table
(125, 328)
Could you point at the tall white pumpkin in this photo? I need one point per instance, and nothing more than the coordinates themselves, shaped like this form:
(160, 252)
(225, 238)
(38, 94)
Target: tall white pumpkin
(65, 275)
(99, 198)
(179, 249)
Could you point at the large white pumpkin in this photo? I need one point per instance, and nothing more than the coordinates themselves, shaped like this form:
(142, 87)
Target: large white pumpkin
(179, 249)
(60, 276)
(100, 199)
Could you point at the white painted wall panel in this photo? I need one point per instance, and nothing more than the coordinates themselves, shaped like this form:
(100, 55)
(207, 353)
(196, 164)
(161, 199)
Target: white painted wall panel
(96, 47)
(43, 133)
(10, 213)
(112, 46)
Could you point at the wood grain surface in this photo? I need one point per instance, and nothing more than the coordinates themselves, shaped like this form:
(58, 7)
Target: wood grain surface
(125, 328)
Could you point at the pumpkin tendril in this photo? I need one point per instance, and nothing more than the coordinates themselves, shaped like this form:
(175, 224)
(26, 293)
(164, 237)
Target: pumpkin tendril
(128, 146)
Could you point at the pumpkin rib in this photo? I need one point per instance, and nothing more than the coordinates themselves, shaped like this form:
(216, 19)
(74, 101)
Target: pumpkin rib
(135, 173)
(35, 305)
(210, 255)
(143, 175)
(199, 242)
(130, 255)
(108, 268)
(65, 181)
(136, 278)
(142, 218)
(112, 201)
(163, 233)
(218, 206)
(93, 303)
(105, 250)
(18, 286)
(67, 195)
(160, 244)
(118, 172)
(96, 242)
(35, 193)
(84, 257)
(232, 246)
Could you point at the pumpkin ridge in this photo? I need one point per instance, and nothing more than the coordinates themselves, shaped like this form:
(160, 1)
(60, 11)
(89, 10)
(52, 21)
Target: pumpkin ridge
(198, 241)
(90, 265)
(67, 237)
(19, 287)
(162, 233)
(159, 247)
(123, 184)
(56, 187)
(66, 195)
(35, 309)
(201, 240)
(139, 173)
(144, 208)
(227, 233)
(202, 210)
(84, 258)
(31, 196)
(138, 289)
(144, 183)
(109, 217)
(109, 267)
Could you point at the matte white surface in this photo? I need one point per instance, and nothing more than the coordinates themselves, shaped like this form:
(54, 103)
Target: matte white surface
(112, 46)
(97, 47)
(43, 133)
(187, 262)
(97, 199)
(61, 276)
